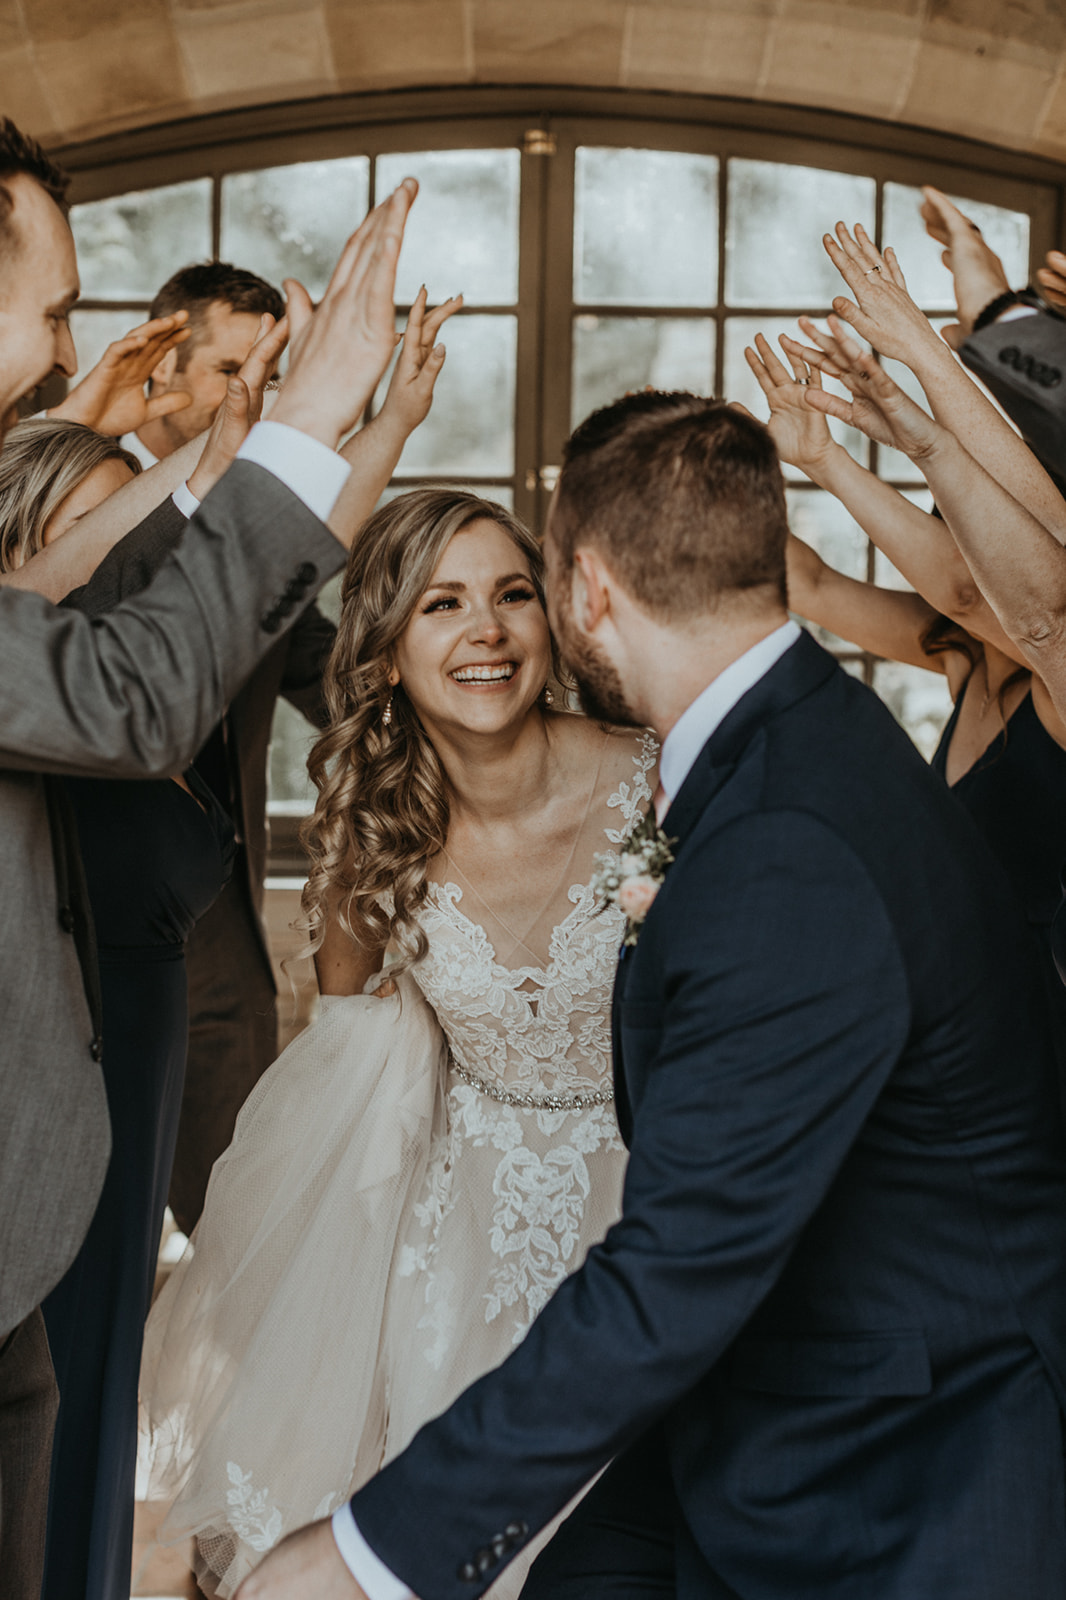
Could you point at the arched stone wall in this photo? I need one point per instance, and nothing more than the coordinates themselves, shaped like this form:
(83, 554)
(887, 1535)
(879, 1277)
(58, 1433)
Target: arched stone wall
(983, 69)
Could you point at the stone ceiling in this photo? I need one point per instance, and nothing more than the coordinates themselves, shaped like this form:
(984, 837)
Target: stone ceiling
(985, 69)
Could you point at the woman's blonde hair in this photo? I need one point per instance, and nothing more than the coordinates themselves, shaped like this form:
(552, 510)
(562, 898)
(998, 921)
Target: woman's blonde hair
(382, 810)
(42, 462)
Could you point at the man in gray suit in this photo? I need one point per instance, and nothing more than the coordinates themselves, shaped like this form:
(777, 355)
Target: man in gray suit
(132, 694)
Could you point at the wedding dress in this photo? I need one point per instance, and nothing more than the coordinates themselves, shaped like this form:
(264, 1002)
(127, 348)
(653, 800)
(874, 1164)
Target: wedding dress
(407, 1186)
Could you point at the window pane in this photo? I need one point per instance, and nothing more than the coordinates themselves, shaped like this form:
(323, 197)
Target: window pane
(291, 222)
(775, 218)
(502, 493)
(741, 384)
(917, 699)
(615, 354)
(290, 745)
(93, 331)
(128, 246)
(471, 427)
(645, 228)
(928, 280)
(462, 237)
(821, 521)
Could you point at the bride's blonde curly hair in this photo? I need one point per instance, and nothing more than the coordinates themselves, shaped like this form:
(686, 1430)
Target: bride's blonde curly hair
(382, 810)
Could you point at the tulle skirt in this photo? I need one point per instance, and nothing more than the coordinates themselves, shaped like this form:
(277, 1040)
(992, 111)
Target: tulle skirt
(377, 1236)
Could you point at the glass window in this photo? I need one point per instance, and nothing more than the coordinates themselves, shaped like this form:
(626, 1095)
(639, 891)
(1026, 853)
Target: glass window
(291, 222)
(645, 228)
(613, 355)
(916, 698)
(130, 245)
(775, 218)
(470, 430)
(462, 237)
(928, 280)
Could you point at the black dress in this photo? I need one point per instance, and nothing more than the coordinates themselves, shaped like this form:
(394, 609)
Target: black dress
(155, 858)
(1016, 793)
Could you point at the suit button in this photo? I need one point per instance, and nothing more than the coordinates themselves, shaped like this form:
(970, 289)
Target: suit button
(516, 1530)
(468, 1573)
(285, 606)
(500, 1546)
(271, 623)
(307, 572)
(296, 590)
(96, 1049)
(485, 1562)
(66, 919)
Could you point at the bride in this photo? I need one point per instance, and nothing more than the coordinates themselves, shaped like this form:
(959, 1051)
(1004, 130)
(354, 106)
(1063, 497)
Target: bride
(417, 1173)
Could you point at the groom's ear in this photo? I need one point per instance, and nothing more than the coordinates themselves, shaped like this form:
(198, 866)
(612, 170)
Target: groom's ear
(591, 591)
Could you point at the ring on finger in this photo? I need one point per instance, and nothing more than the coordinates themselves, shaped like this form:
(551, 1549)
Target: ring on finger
(869, 270)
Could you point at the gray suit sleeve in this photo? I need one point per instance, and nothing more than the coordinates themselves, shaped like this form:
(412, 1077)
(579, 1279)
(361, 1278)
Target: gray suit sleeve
(135, 693)
(1023, 363)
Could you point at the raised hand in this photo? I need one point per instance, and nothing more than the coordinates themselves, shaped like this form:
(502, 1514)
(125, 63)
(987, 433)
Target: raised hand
(421, 360)
(878, 407)
(242, 406)
(885, 315)
(340, 349)
(977, 270)
(111, 398)
(801, 435)
(1052, 278)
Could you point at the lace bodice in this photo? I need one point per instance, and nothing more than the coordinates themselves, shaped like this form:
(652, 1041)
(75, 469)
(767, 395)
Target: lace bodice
(539, 1033)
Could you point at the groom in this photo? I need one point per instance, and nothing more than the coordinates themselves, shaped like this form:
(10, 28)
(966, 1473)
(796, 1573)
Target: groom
(825, 1347)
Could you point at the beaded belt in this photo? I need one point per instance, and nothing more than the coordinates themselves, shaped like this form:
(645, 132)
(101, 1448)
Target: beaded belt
(532, 1102)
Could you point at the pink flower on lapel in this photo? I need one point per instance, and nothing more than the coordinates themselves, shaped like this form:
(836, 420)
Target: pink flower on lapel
(635, 896)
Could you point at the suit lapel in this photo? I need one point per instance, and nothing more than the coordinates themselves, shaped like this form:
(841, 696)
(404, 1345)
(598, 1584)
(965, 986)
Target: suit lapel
(803, 668)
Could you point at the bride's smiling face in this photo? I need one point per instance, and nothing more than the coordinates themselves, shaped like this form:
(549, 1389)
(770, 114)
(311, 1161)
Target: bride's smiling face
(477, 650)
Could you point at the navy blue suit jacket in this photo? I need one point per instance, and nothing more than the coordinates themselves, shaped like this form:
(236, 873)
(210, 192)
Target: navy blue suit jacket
(839, 1279)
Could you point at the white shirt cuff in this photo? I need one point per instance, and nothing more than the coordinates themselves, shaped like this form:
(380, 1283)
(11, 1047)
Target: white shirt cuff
(185, 500)
(1012, 313)
(315, 473)
(368, 1570)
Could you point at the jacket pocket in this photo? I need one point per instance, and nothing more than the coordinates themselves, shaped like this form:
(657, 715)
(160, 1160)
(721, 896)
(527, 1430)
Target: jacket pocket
(842, 1365)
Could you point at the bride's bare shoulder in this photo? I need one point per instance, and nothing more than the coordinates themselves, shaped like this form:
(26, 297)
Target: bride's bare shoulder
(617, 752)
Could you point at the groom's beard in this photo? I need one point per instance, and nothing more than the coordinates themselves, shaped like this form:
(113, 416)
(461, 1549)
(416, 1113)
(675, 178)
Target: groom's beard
(598, 685)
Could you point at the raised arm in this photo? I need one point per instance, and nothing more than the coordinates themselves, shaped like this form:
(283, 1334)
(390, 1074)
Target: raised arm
(884, 314)
(136, 692)
(111, 397)
(885, 621)
(69, 562)
(1019, 566)
(374, 452)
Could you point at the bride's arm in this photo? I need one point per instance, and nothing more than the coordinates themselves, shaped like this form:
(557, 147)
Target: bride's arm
(342, 966)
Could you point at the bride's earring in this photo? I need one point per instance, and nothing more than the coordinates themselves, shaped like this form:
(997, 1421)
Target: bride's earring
(549, 698)
(386, 715)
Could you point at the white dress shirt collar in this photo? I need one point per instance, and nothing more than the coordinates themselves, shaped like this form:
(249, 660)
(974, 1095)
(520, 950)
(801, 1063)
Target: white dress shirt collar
(694, 727)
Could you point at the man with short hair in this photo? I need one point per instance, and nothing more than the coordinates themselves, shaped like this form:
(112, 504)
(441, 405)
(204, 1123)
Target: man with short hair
(132, 694)
(224, 305)
(822, 1355)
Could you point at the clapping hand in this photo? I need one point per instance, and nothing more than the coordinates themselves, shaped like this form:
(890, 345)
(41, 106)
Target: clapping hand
(242, 406)
(111, 398)
(305, 1566)
(885, 315)
(977, 270)
(878, 406)
(801, 435)
(410, 392)
(341, 349)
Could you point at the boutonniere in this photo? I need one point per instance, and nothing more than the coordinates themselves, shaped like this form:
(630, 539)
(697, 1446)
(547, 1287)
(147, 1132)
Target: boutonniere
(631, 879)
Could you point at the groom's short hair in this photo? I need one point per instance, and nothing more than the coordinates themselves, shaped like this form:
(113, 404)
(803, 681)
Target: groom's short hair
(684, 498)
